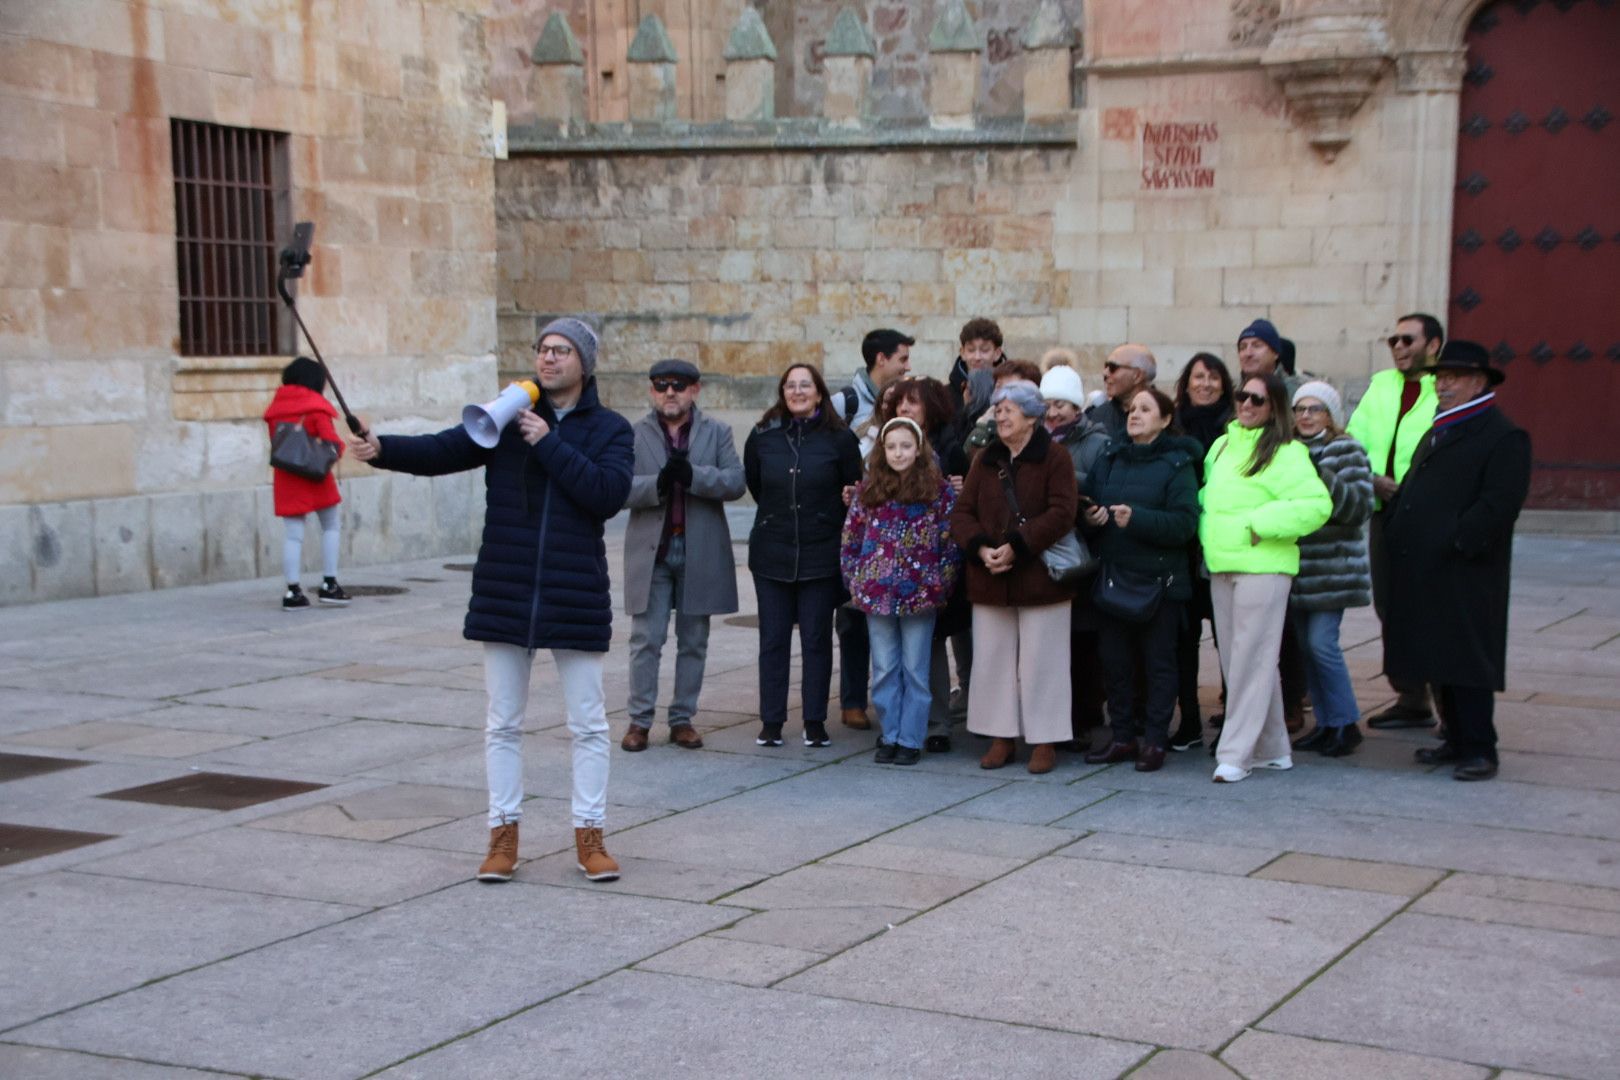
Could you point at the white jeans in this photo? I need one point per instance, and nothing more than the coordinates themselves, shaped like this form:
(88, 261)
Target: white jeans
(506, 675)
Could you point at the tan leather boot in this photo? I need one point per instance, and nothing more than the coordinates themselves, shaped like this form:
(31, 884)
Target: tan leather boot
(1000, 752)
(1042, 758)
(503, 853)
(594, 860)
(856, 718)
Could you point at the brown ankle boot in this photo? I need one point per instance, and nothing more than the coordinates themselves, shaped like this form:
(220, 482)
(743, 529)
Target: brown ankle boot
(856, 718)
(1042, 758)
(503, 852)
(1001, 751)
(594, 860)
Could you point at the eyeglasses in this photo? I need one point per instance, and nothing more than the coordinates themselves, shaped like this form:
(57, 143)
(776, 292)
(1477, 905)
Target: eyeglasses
(664, 386)
(1248, 397)
(561, 352)
(1401, 339)
(1309, 410)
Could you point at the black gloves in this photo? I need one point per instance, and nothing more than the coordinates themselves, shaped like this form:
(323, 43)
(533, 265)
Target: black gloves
(677, 470)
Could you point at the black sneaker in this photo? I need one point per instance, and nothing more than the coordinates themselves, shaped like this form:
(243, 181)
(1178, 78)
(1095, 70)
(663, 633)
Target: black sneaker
(907, 755)
(294, 599)
(884, 755)
(937, 744)
(1186, 738)
(332, 593)
(816, 735)
(769, 735)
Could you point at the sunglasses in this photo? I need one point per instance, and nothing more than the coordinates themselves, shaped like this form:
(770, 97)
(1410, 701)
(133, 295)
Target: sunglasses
(664, 386)
(1248, 397)
(1112, 367)
(1401, 339)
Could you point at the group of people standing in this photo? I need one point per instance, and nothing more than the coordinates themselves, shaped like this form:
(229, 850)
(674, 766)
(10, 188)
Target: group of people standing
(1063, 550)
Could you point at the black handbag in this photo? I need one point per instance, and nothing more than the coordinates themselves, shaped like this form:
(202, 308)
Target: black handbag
(1129, 595)
(1069, 559)
(293, 449)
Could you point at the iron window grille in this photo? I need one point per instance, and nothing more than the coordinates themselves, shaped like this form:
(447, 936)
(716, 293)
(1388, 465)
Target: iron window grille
(230, 199)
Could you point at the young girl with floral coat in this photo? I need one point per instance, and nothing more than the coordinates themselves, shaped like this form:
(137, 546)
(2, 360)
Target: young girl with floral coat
(900, 565)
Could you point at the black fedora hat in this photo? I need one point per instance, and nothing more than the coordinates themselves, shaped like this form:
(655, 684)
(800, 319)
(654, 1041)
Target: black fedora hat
(1457, 355)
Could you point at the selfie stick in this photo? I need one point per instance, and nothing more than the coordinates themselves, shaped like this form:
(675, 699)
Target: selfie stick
(293, 260)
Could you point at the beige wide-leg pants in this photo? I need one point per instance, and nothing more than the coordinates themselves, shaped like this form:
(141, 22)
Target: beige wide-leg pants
(1251, 611)
(1020, 673)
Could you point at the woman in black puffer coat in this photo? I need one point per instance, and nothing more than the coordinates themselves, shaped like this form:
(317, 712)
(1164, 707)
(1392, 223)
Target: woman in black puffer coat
(1334, 570)
(1145, 511)
(797, 463)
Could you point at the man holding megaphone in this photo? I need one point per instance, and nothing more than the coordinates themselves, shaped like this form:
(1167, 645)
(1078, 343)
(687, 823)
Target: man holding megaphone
(554, 473)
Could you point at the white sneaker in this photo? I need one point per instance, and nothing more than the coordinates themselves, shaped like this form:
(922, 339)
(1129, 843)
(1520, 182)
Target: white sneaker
(1281, 764)
(1229, 774)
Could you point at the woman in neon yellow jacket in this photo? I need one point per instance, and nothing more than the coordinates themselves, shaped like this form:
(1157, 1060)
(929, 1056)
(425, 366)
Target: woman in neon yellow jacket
(1261, 494)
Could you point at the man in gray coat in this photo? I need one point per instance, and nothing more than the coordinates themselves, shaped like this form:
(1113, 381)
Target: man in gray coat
(677, 547)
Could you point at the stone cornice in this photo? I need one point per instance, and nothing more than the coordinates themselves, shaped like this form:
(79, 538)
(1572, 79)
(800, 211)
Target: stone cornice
(796, 133)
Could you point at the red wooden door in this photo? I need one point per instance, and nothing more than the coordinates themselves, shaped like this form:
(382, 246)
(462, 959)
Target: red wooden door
(1536, 265)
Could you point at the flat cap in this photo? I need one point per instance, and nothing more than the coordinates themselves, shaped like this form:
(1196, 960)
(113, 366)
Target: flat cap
(674, 369)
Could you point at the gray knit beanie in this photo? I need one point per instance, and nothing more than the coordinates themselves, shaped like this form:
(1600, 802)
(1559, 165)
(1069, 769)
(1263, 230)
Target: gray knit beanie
(583, 338)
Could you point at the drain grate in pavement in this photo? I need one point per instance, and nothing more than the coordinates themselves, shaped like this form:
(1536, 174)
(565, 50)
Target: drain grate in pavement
(22, 766)
(743, 620)
(375, 590)
(466, 567)
(213, 791)
(19, 843)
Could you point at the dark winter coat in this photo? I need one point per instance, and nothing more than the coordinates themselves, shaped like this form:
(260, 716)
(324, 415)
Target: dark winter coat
(1449, 535)
(541, 579)
(296, 496)
(1043, 478)
(1085, 441)
(1159, 482)
(796, 472)
(1334, 571)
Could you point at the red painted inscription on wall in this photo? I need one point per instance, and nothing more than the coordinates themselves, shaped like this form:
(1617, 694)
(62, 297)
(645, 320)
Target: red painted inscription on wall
(1179, 156)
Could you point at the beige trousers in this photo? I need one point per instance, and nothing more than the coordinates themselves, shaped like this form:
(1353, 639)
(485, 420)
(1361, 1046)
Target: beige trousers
(1251, 611)
(1020, 673)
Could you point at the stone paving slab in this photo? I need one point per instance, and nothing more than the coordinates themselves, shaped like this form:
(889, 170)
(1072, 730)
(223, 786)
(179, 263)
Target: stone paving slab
(1182, 1065)
(547, 827)
(32, 710)
(283, 864)
(34, 1063)
(694, 1029)
(146, 677)
(344, 699)
(1028, 804)
(247, 723)
(746, 963)
(1171, 854)
(822, 930)
(345, 749)
(1264, 1055)
(824, 885)
(354, 997)
(1265, 823)
(71, 938)
(1380, 877)
(382, 813)
(1422, 984)
(1098, 931)
(641, 877)
(1514, 901)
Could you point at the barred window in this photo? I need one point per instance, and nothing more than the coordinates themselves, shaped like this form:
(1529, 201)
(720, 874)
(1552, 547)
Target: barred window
(231, 203)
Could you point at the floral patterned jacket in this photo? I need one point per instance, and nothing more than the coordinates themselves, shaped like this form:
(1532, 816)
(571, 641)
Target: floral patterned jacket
(899, 558)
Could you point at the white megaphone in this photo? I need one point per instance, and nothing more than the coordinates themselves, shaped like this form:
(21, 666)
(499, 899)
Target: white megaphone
(484, 422)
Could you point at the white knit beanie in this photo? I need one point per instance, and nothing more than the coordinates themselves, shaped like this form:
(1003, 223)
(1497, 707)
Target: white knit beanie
(1063, 384)
(1328, 396)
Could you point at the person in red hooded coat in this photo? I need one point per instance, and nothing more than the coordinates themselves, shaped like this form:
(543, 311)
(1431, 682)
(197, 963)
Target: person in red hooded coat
(301, 400)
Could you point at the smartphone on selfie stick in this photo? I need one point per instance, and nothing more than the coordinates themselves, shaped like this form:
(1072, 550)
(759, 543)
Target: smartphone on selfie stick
(294, 258)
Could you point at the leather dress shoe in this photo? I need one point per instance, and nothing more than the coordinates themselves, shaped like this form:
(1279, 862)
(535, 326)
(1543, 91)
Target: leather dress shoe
(1112, 753)
(1341, 742)
(1319, 737)
(937, 744)
(1475, 768)
(1444, 754)
(686, 737)
(635, 739)
(1400, 716)
(1151, 759)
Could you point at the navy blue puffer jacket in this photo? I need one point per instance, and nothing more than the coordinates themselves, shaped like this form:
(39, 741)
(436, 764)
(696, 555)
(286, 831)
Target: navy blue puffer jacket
(541, 580)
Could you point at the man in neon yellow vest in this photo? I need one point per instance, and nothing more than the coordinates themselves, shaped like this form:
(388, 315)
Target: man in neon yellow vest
(1390, 421)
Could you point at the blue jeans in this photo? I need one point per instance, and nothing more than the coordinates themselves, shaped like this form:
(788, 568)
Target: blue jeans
(901, 649)
(1326, 676)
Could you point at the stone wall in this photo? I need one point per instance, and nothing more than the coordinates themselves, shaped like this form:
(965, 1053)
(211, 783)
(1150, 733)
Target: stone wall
(744, 262)
(124, 465)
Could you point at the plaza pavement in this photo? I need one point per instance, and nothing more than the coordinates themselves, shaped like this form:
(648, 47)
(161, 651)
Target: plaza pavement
(786, 912)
